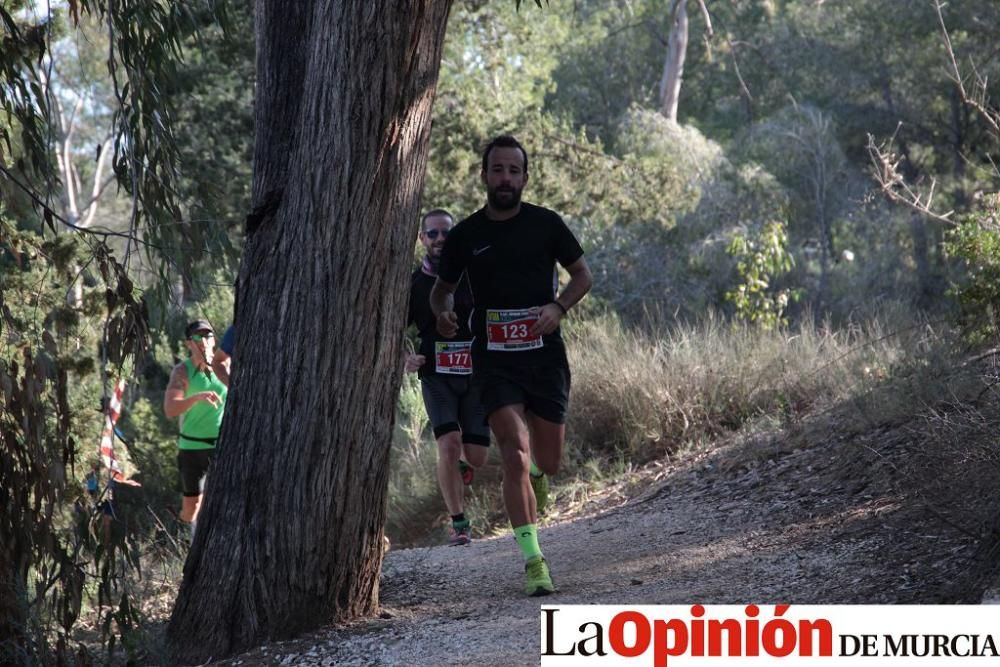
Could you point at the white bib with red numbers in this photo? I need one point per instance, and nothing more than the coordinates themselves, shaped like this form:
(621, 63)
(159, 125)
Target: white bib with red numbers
(453, 357)
(509, 330)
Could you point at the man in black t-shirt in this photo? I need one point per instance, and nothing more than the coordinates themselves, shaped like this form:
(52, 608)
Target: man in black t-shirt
(508, 251)
(445, 370)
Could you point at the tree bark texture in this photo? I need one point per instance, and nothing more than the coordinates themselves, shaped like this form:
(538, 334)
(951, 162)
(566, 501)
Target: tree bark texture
(673, 65)
(290, 532)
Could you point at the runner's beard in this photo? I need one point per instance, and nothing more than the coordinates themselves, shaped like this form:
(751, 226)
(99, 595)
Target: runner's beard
(433, 259)
(512, 200)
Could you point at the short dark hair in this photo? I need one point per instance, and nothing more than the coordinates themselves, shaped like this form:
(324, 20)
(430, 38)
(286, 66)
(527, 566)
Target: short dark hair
(504, 141)
(432, 213)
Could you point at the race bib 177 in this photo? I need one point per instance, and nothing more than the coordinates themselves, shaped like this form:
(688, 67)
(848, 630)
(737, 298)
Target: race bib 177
(453, 357)
(509, 330)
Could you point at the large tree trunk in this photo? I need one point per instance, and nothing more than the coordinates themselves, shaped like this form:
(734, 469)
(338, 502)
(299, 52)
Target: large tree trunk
(290, 534)
(673, 65)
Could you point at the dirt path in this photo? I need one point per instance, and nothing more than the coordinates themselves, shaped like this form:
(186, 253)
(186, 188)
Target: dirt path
(778, 529)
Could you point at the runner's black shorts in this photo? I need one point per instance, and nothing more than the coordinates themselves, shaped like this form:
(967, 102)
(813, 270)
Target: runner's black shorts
(193, 465)
(543, 391)
(453, 404)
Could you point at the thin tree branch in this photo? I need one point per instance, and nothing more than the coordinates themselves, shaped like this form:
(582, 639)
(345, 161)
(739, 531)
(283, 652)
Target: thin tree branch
(98, 189)
(991, 117)
(894, 186)
(744, 89)
(708, 19)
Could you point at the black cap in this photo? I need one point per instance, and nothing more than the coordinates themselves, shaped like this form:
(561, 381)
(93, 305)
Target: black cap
(196, 327)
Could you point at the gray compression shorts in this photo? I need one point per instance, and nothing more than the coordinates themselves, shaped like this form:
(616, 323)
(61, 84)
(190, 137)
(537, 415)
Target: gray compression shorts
(453, 404)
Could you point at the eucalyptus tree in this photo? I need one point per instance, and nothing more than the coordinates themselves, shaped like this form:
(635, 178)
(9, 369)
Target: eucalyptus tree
(290, 535)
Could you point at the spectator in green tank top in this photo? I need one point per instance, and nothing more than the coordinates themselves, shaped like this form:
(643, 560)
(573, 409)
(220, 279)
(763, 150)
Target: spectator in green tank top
(198, 397)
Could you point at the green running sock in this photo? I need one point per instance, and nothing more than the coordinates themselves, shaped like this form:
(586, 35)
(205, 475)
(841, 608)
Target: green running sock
(535, 471)
(527, 539)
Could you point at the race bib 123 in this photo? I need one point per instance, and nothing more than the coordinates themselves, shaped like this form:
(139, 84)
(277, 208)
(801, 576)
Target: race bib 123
(510, 330)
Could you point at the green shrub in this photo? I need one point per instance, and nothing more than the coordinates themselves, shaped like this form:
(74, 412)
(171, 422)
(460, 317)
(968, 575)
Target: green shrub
(760, 259)
(976, 242)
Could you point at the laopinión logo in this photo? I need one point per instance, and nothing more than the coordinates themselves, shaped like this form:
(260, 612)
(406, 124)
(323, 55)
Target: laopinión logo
(632, 633)
(829, 634)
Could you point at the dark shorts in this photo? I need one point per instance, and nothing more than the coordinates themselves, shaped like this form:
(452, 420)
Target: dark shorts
(453, 404)
(107, 508)
(193, 465)
(544, 391)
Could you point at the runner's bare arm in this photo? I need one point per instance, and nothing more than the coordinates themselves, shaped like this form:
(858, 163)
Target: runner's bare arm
(580, 282)
(413, 362)
(220, 364)
(443, 307)
(174, 403)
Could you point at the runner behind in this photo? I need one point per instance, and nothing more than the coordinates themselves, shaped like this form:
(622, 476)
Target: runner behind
(445, 370)
(198, 397)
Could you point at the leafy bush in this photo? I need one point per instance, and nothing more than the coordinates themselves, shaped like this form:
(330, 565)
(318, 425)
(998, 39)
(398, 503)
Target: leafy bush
(976, 242)
(759, 260)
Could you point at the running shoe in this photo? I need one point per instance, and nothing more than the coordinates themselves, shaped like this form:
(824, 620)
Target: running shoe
(467, 471)
(540, 485)
(539, 581)
(459, 535)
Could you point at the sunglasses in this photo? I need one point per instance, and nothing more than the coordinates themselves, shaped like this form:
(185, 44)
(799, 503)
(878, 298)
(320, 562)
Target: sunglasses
(433, 233)
(200, 337)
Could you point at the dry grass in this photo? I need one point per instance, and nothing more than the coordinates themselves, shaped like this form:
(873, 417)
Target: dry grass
(653, 392)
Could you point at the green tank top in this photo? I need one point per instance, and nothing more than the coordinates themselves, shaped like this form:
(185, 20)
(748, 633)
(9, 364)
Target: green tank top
(202, 421)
